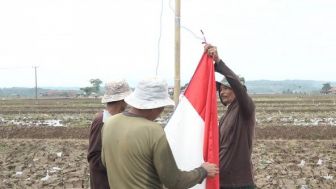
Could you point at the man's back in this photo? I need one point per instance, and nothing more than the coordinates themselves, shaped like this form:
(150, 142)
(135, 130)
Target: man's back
(128, 144)
(136, 154)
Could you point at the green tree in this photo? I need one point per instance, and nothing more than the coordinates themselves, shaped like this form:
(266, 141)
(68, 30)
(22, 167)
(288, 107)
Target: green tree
(95, 88)
(87, 90)
(325, 88)
(96, 84)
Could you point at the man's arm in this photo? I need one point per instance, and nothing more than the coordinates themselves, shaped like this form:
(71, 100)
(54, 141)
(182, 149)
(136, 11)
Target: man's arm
(95, 142)
(245, 102)
(168, 171)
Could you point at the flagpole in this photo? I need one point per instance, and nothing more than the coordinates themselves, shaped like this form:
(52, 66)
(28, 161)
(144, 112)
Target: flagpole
(177, 51)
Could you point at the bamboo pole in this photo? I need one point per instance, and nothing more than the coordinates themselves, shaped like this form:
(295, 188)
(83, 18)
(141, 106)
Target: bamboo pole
(177, 51)
(35, 68)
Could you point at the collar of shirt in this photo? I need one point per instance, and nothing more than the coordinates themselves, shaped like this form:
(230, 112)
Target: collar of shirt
(106, 115)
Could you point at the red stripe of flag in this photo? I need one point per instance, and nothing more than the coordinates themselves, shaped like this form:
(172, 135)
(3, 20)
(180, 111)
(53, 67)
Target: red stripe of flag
(201, 93)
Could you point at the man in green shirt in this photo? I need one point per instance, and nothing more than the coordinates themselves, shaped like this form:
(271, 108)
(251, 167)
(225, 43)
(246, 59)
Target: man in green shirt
(135, 150)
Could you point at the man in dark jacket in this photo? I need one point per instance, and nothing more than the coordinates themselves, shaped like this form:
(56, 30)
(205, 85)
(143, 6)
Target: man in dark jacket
(115, 92)
(236, 128)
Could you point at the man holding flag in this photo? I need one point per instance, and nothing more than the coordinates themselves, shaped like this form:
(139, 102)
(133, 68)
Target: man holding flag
(236, 128)
(193, 128)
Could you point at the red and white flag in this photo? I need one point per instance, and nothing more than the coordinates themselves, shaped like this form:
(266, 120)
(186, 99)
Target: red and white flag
(192, 131)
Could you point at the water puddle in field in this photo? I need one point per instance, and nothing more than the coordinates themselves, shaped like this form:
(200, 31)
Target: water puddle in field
(311, 121)
(54, 122)
(48, 122)
(316, 122)
(163, 119)
(297, 120)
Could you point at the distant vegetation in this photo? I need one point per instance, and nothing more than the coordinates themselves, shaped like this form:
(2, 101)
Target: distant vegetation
(254, 87)
(285, 86)
(93, 89)
(21, 92)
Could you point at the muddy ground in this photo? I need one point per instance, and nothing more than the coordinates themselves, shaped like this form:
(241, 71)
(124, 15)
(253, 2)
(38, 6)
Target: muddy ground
(55, 157)
(25, 163)
(295, 144)
(269, 132)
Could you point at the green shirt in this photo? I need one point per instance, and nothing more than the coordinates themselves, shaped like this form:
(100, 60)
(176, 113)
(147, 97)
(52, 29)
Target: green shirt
(136, 153)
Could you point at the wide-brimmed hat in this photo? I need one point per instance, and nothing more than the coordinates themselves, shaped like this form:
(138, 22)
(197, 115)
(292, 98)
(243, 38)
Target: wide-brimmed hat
(115, 91)
(150, 94)
(225, 82)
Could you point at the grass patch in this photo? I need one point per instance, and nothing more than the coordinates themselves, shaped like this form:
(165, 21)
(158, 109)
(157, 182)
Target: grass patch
(3, 147)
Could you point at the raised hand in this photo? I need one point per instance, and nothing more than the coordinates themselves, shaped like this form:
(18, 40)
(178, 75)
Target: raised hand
(212, 52)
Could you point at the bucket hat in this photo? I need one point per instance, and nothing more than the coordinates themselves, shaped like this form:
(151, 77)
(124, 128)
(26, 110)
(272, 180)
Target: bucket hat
(115, 91)
(150, 93)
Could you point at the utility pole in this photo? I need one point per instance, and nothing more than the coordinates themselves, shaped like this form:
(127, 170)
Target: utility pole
(35, 68)
(177, 51)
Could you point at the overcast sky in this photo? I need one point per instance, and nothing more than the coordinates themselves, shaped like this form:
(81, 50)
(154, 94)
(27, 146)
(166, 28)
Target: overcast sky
(73, 41)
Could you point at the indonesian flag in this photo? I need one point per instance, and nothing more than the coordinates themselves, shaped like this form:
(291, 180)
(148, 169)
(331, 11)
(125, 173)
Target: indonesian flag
(192, 131)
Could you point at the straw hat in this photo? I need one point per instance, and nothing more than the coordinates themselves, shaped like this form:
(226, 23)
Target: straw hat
(115, 91)
(149, 94)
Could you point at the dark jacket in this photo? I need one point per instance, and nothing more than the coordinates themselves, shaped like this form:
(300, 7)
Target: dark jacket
(98, 174)
(236, 134)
